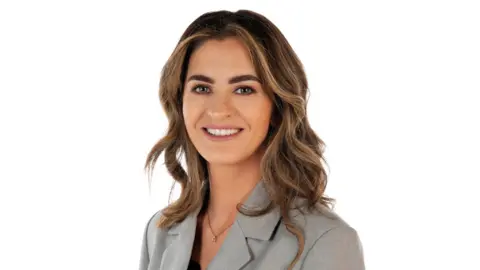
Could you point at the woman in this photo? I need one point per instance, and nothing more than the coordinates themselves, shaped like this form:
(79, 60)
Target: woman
(253, 186)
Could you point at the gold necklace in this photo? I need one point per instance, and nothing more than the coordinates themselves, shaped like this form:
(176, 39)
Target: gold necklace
(215, 236)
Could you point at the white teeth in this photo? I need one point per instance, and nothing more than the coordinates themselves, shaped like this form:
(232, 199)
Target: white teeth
(222, 132)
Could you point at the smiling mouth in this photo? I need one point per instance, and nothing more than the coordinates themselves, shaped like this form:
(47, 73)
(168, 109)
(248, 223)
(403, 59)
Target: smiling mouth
(224, 132)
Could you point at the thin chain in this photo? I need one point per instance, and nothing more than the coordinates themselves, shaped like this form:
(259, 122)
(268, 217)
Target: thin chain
(215, 236)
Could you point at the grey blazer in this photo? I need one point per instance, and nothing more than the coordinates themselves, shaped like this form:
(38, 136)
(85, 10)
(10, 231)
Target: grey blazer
(258, 242)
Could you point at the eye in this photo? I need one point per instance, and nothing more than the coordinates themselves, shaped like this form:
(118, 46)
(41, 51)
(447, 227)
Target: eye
(244, 90)
(201, 89)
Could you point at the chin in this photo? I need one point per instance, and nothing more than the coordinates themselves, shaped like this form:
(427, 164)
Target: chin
(224, 158)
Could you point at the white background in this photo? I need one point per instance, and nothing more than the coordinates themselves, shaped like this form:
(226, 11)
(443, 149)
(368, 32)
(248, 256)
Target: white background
(394, 94)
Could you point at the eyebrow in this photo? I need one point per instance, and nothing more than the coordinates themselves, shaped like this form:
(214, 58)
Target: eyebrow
(235, 79)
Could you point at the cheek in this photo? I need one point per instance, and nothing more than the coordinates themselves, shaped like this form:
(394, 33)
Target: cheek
(258, 114)
(190, 111)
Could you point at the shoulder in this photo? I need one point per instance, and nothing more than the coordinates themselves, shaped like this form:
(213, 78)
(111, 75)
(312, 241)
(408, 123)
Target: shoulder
(330, 241)
(152, 232)
(318, 222)
(153, 220)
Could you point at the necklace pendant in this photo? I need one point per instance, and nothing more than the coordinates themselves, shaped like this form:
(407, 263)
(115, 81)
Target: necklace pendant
(214, 239)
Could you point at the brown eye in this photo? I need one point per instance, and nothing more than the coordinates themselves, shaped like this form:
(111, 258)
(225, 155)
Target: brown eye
(244, 90)
(200, 89)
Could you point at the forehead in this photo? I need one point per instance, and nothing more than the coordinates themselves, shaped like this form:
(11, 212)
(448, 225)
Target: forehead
(228, 56)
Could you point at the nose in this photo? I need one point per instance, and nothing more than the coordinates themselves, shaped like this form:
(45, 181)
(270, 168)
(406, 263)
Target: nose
(219, 108)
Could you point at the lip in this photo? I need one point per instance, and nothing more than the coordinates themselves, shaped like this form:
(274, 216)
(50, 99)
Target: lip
(220, 138)
(221, 127)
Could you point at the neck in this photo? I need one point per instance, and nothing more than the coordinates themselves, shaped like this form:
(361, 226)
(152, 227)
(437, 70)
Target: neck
(231, 184)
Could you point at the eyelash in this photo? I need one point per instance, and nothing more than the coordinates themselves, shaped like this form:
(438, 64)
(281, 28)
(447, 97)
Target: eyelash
(194, 89)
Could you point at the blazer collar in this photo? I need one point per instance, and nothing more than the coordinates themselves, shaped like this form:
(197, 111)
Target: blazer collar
(187, 225)
(260, 227)
(234, 251)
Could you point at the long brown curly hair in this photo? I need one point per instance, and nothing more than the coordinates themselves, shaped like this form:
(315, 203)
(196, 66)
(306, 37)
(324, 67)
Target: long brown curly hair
(293, 165)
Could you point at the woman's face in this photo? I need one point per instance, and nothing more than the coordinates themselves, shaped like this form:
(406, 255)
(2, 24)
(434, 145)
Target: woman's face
(226, 111)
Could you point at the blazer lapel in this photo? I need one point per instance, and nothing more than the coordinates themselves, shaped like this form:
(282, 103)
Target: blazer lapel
(235, 251)
(177, 255)
(260, 227)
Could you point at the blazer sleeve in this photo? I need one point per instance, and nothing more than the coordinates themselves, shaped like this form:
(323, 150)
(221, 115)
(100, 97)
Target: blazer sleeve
(338, 249)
